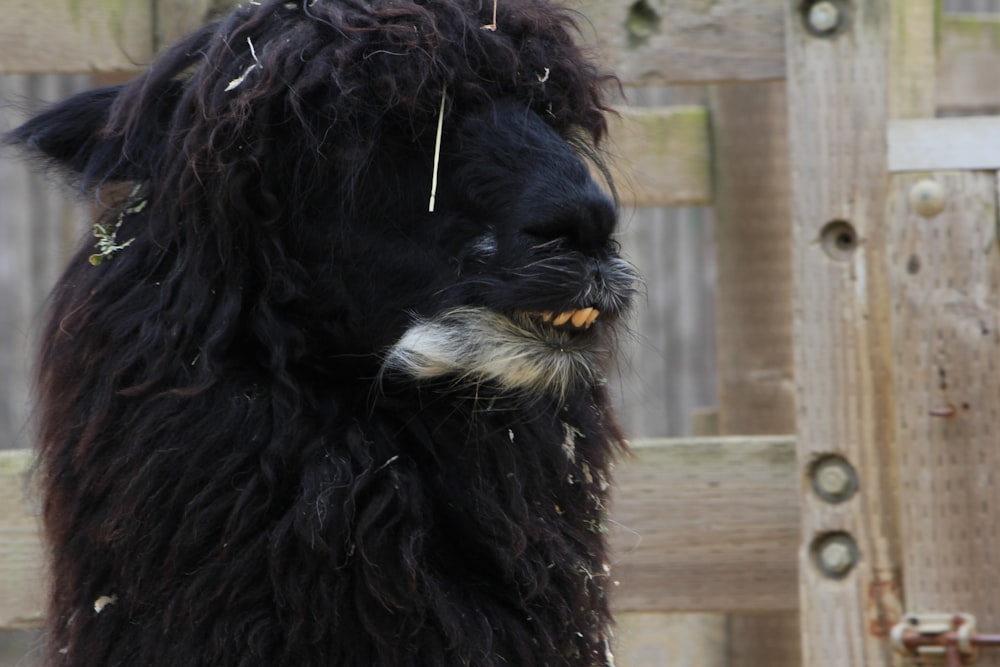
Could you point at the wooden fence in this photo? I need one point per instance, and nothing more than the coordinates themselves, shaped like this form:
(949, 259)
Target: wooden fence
(850, 479)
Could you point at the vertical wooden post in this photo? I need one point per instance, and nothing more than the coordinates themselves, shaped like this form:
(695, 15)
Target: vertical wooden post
(848, 74)
(754, 261)
(754, 308)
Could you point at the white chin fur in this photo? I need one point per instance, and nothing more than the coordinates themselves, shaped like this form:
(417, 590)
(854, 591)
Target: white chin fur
(474, 345)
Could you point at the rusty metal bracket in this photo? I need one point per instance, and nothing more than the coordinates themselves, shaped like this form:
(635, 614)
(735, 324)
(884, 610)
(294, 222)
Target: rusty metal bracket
(941, 639)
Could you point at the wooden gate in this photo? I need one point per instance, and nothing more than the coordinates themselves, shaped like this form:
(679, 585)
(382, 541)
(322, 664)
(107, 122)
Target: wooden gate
(850, 482)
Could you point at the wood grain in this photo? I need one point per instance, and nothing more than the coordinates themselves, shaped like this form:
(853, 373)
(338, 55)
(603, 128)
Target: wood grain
(968, 75)
(660, 156)
(41, 224)
(75, 35)
(842, 92)
(945, 273)
(682, 41)
(702, 524)
(21, 554)
(754, 308)
(706, 525)
(674, 640)
(665, 42)
(176, 18)
(754, 286)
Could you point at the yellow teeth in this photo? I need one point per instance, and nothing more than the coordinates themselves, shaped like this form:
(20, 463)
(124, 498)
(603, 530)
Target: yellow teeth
(562, 318)
(583, 318)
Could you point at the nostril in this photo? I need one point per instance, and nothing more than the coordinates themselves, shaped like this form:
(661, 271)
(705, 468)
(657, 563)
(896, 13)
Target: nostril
(587, 223)
(595, 224)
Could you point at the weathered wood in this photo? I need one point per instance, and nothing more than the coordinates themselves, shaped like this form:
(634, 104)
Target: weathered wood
(79, 36)
(842, 91)
(763, 640)
(941, 144)
(39, 224)
(945, 272)
(174, 19)
(754, 308)
(706, 525)
(697, 524)
(666, 368)
(968, 76)
(754, 284)
(674, 640)
(660, 156)
(656, 638)
(646, 42)
(22, 559)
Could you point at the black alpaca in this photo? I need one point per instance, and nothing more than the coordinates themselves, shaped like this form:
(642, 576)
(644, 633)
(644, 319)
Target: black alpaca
(289, 416)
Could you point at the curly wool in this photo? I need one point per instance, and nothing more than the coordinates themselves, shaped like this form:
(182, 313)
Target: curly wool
(234, 472)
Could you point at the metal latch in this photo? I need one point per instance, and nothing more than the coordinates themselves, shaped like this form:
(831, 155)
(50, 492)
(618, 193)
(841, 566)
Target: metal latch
(940, 639)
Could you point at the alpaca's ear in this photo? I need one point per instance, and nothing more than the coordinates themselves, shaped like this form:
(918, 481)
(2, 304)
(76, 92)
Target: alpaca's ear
(74, 136)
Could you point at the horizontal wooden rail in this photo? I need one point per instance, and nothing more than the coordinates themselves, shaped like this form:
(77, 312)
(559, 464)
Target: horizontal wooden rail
(707, 524)
(682, 41)
(662, 156)
(645, 43)
(79, 36)
(696, 525)
(945, 144)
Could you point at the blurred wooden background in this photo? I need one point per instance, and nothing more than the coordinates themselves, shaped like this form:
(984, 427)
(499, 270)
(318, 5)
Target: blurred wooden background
(689, 352)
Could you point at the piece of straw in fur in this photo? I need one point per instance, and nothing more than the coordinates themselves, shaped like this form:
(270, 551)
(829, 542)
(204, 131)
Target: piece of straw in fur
(256, 63)
(437, 150)
(492, 27)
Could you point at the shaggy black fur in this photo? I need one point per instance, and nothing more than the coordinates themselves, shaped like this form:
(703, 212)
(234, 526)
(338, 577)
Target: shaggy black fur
(287, 417)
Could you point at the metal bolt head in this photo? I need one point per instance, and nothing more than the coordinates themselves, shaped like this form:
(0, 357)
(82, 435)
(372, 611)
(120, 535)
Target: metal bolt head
(834, 479)
(824, 16)
(835, 554)
(927, 198)
(836, 557)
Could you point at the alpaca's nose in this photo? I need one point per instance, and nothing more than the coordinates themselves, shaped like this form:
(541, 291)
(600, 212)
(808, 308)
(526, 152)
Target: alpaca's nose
(585, 220)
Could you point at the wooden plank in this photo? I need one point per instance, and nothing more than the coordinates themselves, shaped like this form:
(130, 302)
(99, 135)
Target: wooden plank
(173, 19)
(945, 271)
(666, 367)
(646, 42)
(702, 524)
(655, 638)
(706, 525)
(21, 554)
(41, 225)
(661, 156)
(754, 267)
(754, 308)
(941, 144)
(968, 76)
(842, 90)
(677, 640)
(676, 42)
(75, 35)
